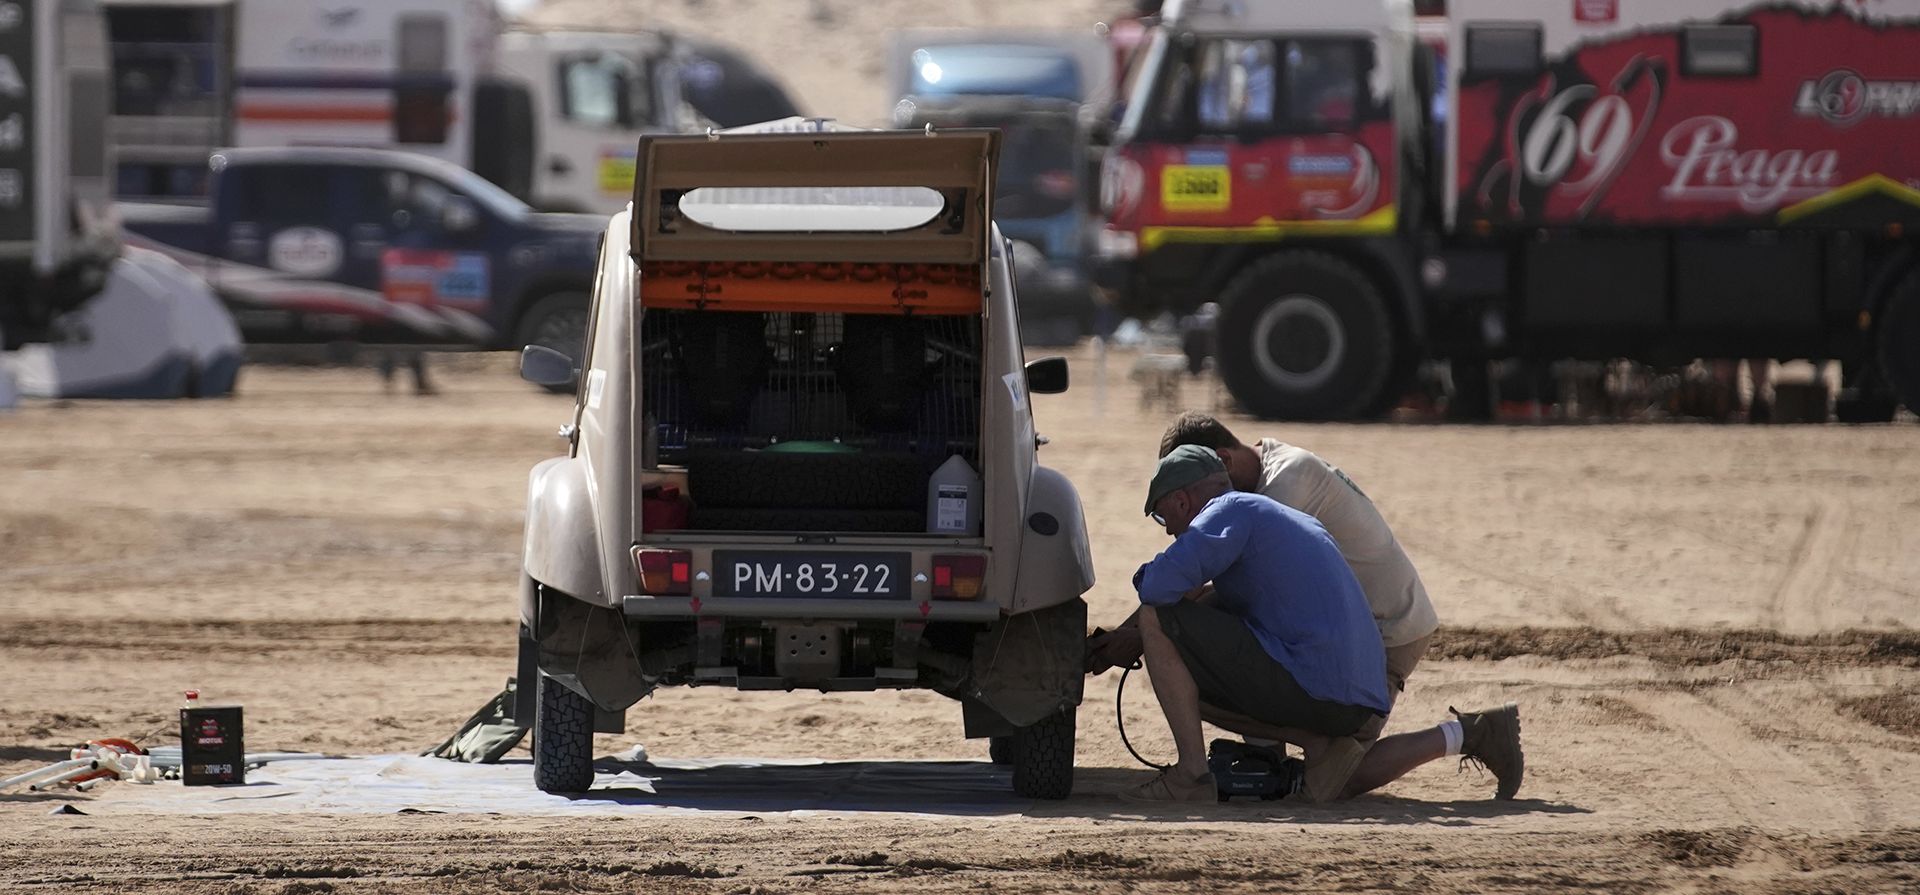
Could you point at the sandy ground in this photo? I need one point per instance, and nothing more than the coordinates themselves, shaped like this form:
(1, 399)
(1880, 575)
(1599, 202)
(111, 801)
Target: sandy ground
(1708, 629)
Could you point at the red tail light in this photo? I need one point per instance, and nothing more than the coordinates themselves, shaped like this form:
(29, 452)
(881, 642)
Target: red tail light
(664, 573)
(959, 577)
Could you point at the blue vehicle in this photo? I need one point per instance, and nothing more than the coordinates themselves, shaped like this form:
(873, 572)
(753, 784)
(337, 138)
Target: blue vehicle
(369, 245)
(1034, 88)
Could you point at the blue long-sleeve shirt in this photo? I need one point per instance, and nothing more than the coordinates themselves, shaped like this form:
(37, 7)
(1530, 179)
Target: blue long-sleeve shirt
(1278, 570)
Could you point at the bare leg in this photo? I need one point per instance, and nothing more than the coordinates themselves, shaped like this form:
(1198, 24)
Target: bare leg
(1392, 757)
(1179, 696)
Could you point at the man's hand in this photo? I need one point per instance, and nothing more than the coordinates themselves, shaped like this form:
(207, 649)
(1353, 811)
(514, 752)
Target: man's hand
(1111, 649)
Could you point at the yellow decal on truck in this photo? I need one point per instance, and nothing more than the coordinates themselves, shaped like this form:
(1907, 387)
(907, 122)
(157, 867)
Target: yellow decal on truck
(1195, 188)
(616, 172)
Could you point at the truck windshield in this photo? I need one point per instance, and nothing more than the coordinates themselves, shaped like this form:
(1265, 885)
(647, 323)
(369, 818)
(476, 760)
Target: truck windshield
(995, 70)
(481, 190)
(605, 90)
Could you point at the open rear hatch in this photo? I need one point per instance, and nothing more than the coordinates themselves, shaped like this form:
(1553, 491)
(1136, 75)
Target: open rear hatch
(812, 334)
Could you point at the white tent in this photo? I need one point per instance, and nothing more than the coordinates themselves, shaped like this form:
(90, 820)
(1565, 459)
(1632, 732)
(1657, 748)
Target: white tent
(155, 331)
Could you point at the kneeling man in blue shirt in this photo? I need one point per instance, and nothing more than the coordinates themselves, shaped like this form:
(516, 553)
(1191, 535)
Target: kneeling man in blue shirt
(1282, 646)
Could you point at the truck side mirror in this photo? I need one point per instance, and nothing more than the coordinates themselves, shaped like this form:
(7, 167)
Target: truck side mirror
(541, 365)
(1047, 376)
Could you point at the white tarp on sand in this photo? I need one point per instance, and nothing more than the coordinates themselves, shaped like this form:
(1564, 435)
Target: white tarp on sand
(389, 784)
(155, 331)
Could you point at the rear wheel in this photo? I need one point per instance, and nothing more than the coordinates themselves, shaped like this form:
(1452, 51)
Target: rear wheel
(559, 322)
(1000, 750)
(562, 740)
(1042, 757)
(1900, 341)
(1305, 335)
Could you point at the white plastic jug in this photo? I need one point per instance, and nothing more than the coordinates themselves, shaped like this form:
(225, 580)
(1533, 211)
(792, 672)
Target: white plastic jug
(954, 498)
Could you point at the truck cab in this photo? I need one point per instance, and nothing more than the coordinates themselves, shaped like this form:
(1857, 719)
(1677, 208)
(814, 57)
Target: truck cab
(319, 244)
(594, 93)
(1264, 142)
(1362, 190)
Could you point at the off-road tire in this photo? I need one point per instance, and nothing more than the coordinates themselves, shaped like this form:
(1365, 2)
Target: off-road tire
(747, 479)
(1000, 750)
(557, 321)
(562, 740)
(1900, 340)
(1352, 360)
(1042, 758)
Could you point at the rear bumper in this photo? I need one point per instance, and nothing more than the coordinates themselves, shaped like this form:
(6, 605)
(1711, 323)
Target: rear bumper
(645, 607)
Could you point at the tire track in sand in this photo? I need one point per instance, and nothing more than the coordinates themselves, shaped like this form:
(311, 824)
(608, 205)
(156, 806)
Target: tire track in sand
(1746, 771)
(1843, 766)
(1582, 606)
(1802, 596)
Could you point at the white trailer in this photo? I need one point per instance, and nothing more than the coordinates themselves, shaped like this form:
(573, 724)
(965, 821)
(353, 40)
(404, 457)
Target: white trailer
(552, 116)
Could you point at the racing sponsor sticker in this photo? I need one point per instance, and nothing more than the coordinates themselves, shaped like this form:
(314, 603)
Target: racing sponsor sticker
(1207, 156)
(305, 251)
(1844, 98)
(1196, 188)
(428, 277)
(1596, 12)
(1322, 168)
(616, 171)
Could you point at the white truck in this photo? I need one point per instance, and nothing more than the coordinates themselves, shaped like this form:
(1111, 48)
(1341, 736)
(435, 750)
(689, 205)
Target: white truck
(57, 232)
(551, 116)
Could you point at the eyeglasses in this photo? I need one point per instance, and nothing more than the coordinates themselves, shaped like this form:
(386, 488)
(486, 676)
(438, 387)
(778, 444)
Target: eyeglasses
(1158, 519)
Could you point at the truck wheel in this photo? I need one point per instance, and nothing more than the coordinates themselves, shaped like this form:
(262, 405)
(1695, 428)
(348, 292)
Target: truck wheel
(1900, 341)
(559, 322)
(562, 740)
(1043, 758)
(1305, 335)
(1000, 750)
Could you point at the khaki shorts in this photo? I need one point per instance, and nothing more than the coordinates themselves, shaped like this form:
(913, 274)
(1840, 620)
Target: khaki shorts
(1233, 671)
(1401, 661)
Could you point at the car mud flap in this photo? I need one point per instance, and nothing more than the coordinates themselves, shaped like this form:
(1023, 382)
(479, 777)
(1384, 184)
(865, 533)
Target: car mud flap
(527, 668)
(1026, 668)
(590, 650)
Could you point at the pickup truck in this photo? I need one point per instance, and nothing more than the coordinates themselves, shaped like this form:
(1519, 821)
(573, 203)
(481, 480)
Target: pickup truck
(318, 244)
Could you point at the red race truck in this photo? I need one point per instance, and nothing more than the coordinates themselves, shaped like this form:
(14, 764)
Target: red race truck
(1656, 180)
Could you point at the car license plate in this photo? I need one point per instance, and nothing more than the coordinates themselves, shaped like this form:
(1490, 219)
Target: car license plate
(857, 576)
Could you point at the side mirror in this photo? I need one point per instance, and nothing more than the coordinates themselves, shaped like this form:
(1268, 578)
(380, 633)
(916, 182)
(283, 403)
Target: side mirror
(459, 215)
(541, 365)
(1047, 376)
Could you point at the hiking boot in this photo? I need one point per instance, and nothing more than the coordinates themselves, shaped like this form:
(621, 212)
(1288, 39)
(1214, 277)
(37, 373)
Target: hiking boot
(1492, 740)
(1170, 786)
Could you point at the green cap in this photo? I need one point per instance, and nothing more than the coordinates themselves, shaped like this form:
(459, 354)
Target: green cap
(1187, 464)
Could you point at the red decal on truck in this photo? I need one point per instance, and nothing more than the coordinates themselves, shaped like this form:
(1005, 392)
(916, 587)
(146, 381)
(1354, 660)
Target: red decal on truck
(1596, 11)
